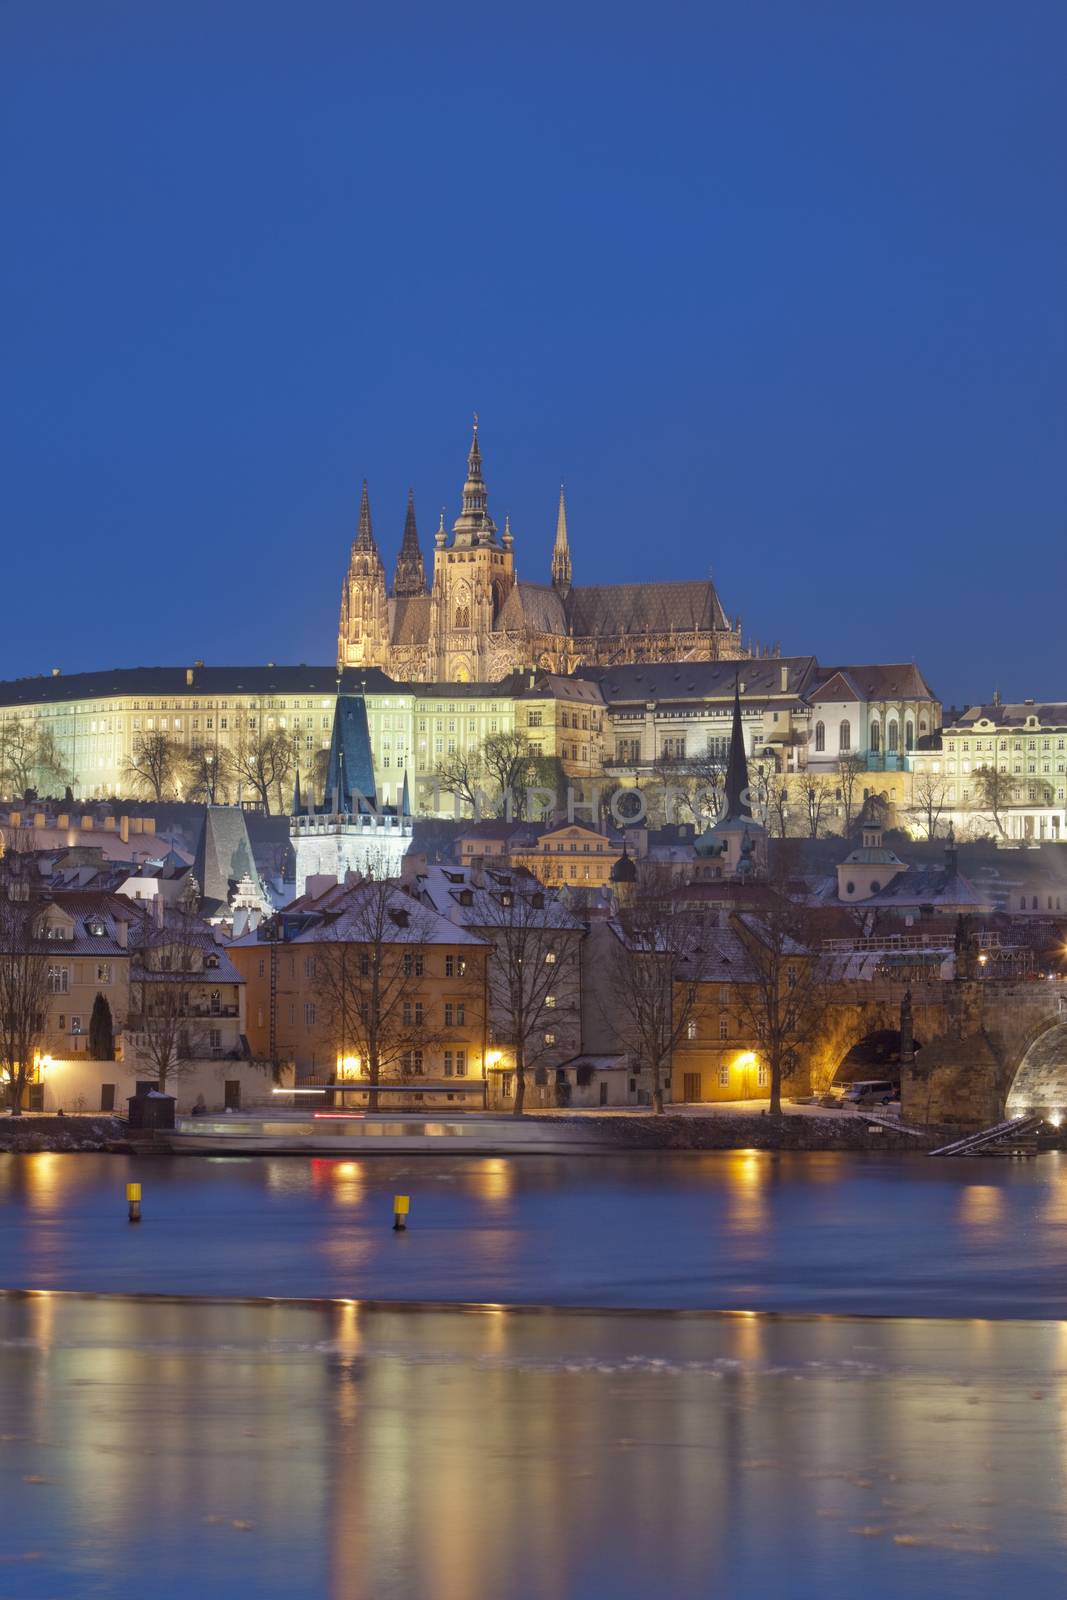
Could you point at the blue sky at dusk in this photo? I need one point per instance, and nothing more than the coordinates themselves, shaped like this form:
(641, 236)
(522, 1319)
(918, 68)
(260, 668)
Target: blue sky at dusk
(777, 288)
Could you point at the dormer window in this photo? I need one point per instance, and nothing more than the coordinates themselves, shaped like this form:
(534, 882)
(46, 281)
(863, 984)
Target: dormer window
(96, 928)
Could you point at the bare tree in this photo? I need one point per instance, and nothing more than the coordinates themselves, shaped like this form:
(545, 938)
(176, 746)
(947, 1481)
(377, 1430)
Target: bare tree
(656, 945)
(153, 762)
(929, 801)
(370, 976)
(513, 766)
(777, 806)
(782, 994)
(996, 792)
(816, 792)
(265, 762)
(166, 968)
(205, 770)
(533, 980)
(30, 757)
(24, 970)
(461, 775)
(849, 769)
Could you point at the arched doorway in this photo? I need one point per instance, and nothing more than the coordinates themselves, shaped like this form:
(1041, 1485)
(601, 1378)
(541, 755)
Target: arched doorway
(1040, 1084)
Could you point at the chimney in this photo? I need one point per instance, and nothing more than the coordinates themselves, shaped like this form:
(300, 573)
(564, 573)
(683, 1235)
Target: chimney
(783, 675)
(477, 866)
(124, 828)
(122, 933)
(189, 677)
(158, 910)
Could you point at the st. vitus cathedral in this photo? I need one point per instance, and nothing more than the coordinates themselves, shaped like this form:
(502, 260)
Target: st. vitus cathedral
(478, 620)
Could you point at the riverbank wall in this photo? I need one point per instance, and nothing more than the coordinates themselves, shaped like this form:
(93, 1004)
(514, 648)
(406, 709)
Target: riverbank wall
(630, 1133)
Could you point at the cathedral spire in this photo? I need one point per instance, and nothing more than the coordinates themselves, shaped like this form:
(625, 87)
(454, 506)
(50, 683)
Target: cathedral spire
(561, 550)
(410, 575)
(737, 800)
(365, 536)
(474, 525)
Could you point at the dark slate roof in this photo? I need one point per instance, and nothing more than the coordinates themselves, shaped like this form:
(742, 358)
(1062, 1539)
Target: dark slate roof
(223, 853)
(536, 606)
(896, 681)
(411, 619)
(702, 680)
(207, 681)
(612, 608)
(536, 685)
(1050, 714)
(350, 772)
(935, 886)
(85, 906)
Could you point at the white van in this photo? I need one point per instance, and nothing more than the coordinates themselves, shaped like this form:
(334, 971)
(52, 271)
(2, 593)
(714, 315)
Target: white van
(869, 1092)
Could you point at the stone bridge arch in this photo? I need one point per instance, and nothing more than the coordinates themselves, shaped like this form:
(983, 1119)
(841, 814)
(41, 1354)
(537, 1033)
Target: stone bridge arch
(1039, 1082)
(857, 1011)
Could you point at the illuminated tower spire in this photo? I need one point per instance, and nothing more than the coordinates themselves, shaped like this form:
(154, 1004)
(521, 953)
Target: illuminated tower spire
(474, 525)
(410, 575)
(561, 550)
(364, 539)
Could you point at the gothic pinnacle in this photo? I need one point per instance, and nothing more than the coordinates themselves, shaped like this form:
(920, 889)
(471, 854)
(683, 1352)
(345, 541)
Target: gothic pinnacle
(365, 535)
(561, 552)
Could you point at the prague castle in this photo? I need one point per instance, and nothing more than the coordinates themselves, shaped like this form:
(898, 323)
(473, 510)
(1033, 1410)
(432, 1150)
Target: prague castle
(477, 620)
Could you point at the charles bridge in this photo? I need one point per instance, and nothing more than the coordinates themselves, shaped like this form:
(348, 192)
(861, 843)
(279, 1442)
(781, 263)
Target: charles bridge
(983, 1048)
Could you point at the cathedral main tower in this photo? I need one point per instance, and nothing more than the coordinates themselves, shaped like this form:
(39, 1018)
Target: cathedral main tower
(472, 577)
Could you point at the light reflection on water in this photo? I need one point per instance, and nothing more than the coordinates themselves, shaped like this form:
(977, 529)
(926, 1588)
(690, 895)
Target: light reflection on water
(338, 1451)
(733, 1229)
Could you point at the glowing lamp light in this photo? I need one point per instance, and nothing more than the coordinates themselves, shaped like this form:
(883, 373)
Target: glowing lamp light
(1056, 1118)
(492, 1057)
(348, 1066)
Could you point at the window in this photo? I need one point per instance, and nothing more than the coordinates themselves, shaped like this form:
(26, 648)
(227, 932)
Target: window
(892, 735)
(448, 1064)
(550, 956)
(58, 980)
(309, 966)
(691, 1029)
(550, 1000)
(820, 736)
(790, 977)
(724, 1026)
(103, 972)
(724, 1077)
(262, 968)
(550, 1038)
(309, 1014)
(411, 1061)
(909, 736)
(461, 1063)
(762, 1076)
(455, 1013)
(455, 966)
(214, 1039)
(844, 741)
(875, 737)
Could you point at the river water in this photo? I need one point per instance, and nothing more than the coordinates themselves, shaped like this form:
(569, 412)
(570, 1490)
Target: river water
(909, 1439)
